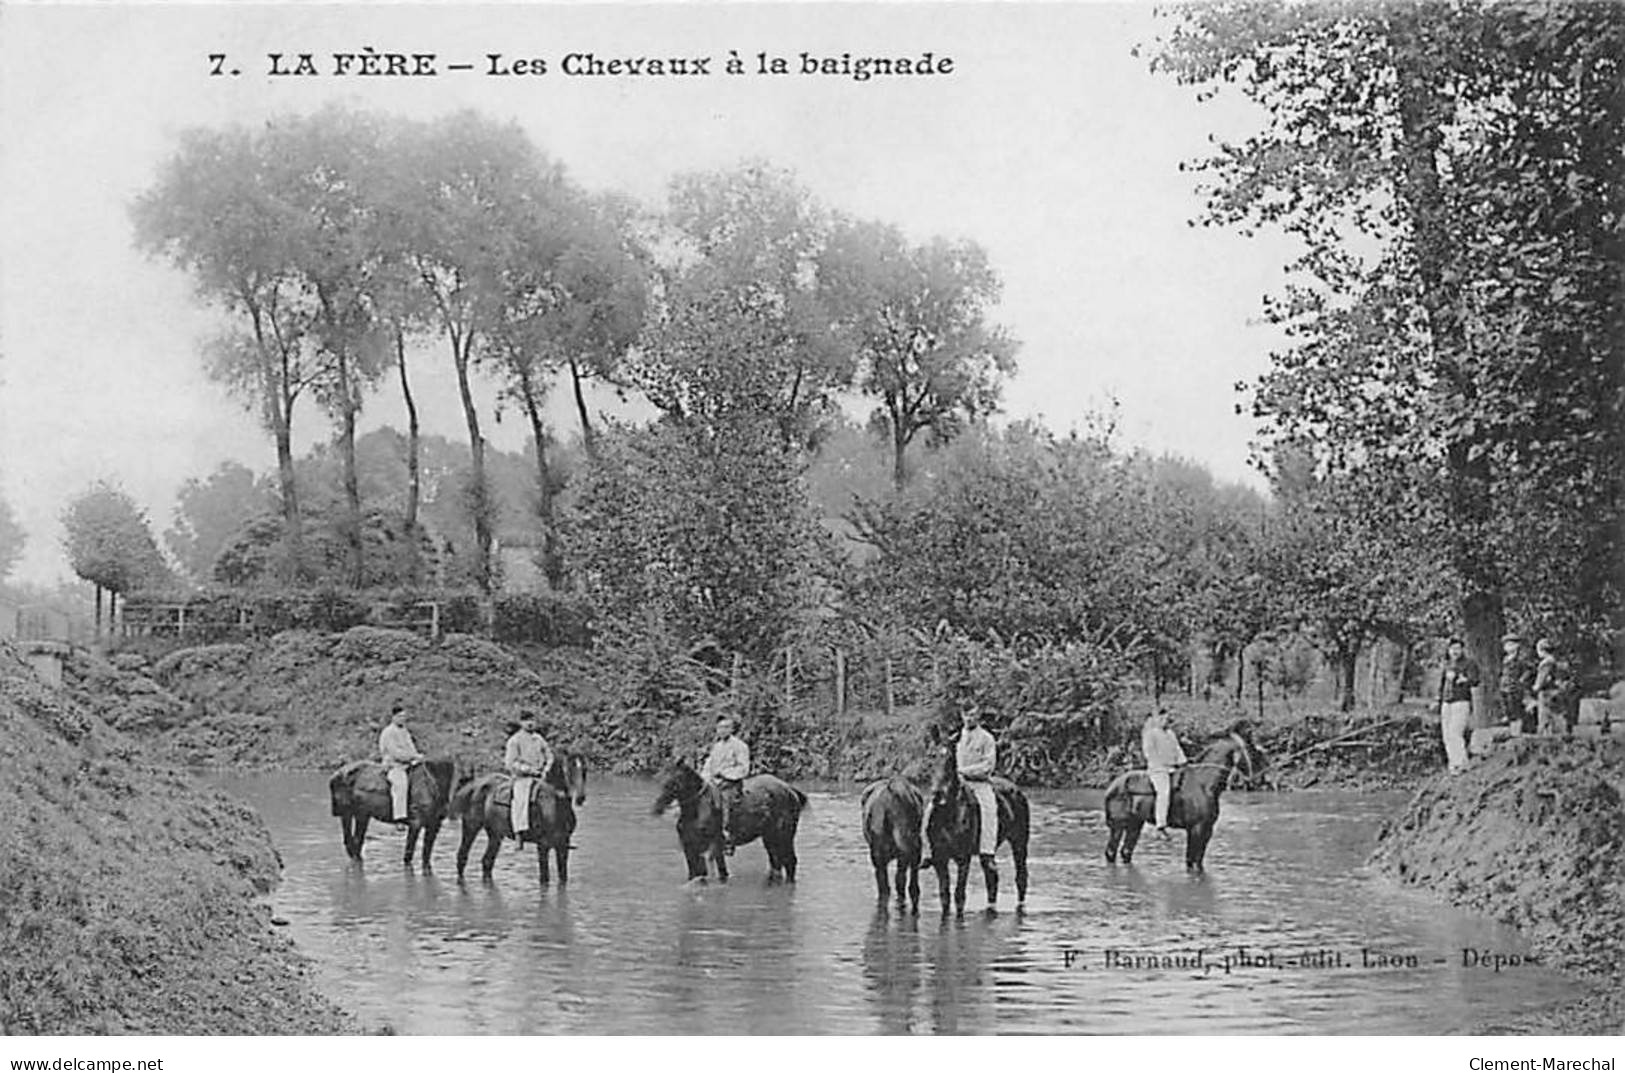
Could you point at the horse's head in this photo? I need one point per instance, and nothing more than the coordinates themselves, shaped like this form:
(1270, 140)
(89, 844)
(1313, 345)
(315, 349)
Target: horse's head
(1234, 750)
(677, 783)
(568, 772)
(945, 769)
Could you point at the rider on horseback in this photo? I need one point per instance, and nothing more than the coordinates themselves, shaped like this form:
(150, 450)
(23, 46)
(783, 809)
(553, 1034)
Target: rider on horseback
(1163, 756)
(398, 752)
(527, 756)
(726, 768)
(975, 757)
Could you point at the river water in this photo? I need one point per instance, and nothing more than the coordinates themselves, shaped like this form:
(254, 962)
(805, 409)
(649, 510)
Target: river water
(629, 947)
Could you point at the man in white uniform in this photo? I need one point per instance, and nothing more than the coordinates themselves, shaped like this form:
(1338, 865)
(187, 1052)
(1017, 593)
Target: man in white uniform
(527, 756)
(1163, 756)
(976, 756)
(399, 753)
(726, 768)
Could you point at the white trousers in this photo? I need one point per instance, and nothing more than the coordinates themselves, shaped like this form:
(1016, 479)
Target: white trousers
(1162, 784)
(519, 811)
(982, 790)
(1453, 725)
(397, 792)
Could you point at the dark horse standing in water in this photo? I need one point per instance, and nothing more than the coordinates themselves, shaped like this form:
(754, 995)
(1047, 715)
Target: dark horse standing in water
(486, 805)
(1193, 799)
(360, 794)
(769, 808)
(955, 830)
(892, 809)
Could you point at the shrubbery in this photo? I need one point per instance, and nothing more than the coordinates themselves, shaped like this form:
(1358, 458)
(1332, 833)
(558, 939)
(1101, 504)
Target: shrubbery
(544, 618)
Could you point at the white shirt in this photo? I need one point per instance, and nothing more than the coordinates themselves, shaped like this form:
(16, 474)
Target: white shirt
(395, 745)
(527, 754)
(976, 754)
(729, 759)
(1161, 748)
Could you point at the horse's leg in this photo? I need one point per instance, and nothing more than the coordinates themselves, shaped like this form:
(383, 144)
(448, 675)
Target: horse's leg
(1131, 838)
(914, 884)
(411, 842)
(360, 834)
(902, 882)
(471, 831)
(877, 858)
(1018, 851)
(1196, 838)
(346, 824)
(961, 876)
(990, 875)
(1114, 841)
(939, 864)
(561, 854)
(541, 863)
(789, 855)
(431, 831)
(493, 846)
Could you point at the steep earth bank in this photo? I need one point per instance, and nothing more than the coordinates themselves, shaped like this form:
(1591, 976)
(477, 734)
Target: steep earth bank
(1532, 835)
(130, 900)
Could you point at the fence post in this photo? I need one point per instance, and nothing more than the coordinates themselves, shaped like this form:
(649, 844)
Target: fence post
(891, 698)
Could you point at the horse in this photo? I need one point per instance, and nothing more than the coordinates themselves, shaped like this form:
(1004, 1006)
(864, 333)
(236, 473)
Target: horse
(360, 794)
(769, 808)
(891, 826)
(485, 804)
(955, 830)
(1193, 797)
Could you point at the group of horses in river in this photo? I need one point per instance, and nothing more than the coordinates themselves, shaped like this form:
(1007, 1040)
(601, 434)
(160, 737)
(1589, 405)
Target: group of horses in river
(899, 840)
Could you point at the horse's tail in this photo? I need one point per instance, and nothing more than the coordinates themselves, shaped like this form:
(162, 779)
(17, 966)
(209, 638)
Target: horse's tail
(341, 789)
(443, 771)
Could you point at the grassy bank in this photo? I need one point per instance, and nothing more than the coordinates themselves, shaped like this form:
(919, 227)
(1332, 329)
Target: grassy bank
(129, 900)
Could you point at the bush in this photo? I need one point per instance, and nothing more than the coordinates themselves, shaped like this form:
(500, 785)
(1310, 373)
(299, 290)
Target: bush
(375, 644)
(545, 618)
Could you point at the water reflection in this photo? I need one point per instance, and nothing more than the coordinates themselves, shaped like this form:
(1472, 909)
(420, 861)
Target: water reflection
(630, 947)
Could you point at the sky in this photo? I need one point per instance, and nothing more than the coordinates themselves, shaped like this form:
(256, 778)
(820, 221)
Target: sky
(1049, 143)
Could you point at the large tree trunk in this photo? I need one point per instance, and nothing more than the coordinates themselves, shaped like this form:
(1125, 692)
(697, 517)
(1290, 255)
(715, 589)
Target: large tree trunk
(589, 438)
(292, 523)
(462, 348)
(414, 480)
(352, 488)
(551, 567)
(1347, 664)
(1423, 111)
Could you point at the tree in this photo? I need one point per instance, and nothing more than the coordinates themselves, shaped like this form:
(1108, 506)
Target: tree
(216, 212)
(329, 165)
(1453, 173)
(575, 301)
(917, 317)
(110, 545)
(210, 511)
(470, 184)
(742, 325)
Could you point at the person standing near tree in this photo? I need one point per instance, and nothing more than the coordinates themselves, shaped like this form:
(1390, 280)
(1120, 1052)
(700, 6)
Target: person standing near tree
(1456, 681)
(1551, 689)
(1517, 685)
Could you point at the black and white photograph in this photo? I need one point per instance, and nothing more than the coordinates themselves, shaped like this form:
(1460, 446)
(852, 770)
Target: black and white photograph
(811, 519)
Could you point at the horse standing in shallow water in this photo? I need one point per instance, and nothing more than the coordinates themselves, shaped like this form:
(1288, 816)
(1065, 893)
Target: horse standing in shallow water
(769, 809)
(892, 809)
(956, 830)
(1193, 802)
(486, 805)
(360, 793)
